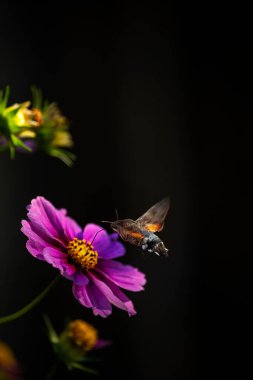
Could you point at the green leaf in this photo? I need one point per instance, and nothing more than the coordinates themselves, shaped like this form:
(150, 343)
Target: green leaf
(37, 97)
(19, 143)
(12, 151)
(63, 155)
(83, 368)
(11, 111)
(6, 97)
(51, 331)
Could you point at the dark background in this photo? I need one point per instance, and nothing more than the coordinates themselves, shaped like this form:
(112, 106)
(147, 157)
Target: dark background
(161, 103)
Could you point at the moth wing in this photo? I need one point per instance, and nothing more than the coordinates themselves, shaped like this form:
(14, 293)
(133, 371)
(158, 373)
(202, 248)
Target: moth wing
(153, 219)
(132, 234)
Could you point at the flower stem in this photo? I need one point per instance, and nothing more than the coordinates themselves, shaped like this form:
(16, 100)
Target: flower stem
(31, 305)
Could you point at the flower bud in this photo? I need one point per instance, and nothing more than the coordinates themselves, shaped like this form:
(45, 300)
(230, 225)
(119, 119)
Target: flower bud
(9, 367)
(77, 339)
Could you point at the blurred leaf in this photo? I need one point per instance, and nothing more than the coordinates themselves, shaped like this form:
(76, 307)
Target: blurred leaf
(51, 331)
(83, 368)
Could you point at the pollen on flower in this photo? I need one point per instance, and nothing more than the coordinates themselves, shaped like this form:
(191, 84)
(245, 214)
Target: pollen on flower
(82, 254)
(26, 117)
(37, 116)
(82, 334)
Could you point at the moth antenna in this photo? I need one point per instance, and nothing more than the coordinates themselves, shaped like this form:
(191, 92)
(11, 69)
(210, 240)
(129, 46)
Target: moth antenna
(117, 214)
(96, 235)
(105, 221)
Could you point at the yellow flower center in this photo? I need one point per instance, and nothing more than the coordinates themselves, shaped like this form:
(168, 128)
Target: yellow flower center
(82, 334)
(82, 254)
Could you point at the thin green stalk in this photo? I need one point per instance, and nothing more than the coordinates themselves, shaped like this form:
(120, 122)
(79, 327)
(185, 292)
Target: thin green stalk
(30, 306)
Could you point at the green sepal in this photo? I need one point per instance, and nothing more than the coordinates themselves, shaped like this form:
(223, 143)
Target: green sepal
(82, 368)
(19, 143)
(53, 337)
(37, 97)
(12, 110)
(12, 151)
(65, 156)
(4, 126)
(4, 96)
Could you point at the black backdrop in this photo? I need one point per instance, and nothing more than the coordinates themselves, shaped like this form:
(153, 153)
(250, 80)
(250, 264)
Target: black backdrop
(161, 103)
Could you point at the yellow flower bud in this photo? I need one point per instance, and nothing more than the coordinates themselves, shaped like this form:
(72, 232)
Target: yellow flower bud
(82, 334)
(26, 117)
(8, 363)
(62, 139)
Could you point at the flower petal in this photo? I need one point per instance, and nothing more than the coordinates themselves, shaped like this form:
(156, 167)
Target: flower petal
(60, 261)
(50, 224)
(125, 276)
(35, 245)
(72, 229)
(112, 292)
(90, 296)
(105, 244)
(79, 278)
(101, 343)
(97, 236)
(114, 249)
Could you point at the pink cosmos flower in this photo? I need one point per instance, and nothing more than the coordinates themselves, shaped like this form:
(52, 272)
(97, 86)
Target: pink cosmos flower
(84, 257)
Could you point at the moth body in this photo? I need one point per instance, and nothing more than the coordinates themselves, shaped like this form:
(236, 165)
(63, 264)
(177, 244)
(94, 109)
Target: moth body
(153, 244)
(141, 232)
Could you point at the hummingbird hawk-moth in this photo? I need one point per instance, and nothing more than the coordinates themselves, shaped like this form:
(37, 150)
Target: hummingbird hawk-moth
(141, 232)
